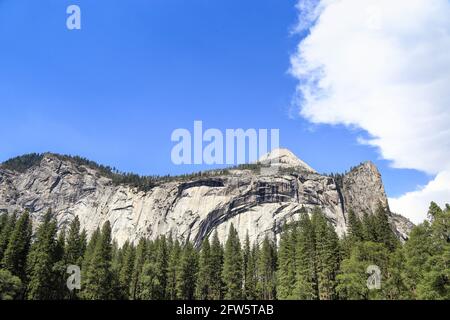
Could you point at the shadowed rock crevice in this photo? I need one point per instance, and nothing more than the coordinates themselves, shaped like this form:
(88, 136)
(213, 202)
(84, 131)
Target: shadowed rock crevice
(192, 207)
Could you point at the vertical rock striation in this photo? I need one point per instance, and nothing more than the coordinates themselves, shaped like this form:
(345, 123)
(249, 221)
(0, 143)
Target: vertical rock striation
(255, 203)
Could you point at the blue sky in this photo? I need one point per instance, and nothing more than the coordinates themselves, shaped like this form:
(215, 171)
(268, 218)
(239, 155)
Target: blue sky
(115, 90)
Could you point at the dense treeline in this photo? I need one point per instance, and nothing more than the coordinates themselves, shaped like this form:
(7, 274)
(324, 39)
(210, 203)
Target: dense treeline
(22, 163)
(144, 183)
(141, 182)
(310, 262)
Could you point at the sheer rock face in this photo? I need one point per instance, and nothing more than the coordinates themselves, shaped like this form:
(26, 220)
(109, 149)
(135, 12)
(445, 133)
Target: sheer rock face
(363, 189)
(256, 204)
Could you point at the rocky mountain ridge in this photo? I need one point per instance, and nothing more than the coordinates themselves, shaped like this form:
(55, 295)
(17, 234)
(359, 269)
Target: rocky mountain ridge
(192, 207)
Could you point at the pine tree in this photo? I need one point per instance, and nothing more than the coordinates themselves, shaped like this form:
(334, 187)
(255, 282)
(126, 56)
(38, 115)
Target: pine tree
(9, 223)
(370, 233)
(89, 252)
(394, 287)
(217, 256)
(149, 283)
(187, 273)
(126, 270)
(87, 257)
(352, 280)
(232, 266)
(10, 286)
(383, 230)
(355, 227)
(83, 244)
(434, 211)
(440, 224)
(326, 255)
(98, 282)
(267, 262)
(286, 273)
(75, 250)
(4, 218)
(346, 244)
(435, 284)
(427, 254)
(173, 267)
(162, 264)
(16, 253)
(41, 261)
(203, 287)
(75, 244)
(153, 280)
(417, 250)
(306, 287)
(249, 267)
(139, 260)
(61, 245)
(116, 265)
(253, 266)
(60, 268)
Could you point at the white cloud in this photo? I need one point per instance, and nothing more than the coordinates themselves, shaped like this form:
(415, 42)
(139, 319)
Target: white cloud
(383, 66)
(415, 204)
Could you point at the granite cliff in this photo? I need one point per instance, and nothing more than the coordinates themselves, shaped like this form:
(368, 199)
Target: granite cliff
(193, 208)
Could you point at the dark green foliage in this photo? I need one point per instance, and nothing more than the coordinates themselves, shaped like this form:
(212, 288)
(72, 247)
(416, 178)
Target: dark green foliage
(369, 229)
(10, 286)
(126, 270)
(232, 266)
(305, 260)
(172, 274)
(352, 280)
(326, 256)
(3, 221)
(15, 256)
(395, 287)
(203, 288)
(440, 223)
(149, 282)
(427, 257)
(76, 244)
(41, 261)
(217, 256)
(434, 211)
(187, 273)
(8, 223)
(60, 267)
(376, 228)
(435, 284)
(74, 251)
(355, 227)
(383, 230)
(266, 265)
(154, 277)
(162, 263)
(89, 251)
(98, 280)
(23, 163)
(286, 274)
(139, 260)
(250, 257)
(311, 262)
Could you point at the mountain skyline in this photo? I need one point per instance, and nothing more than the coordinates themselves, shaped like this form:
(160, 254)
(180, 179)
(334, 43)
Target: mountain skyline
(115, 90)
(211, 158)
(257, 201)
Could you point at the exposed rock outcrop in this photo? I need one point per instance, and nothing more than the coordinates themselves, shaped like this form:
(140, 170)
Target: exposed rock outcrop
(255, 203)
